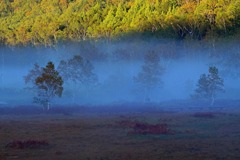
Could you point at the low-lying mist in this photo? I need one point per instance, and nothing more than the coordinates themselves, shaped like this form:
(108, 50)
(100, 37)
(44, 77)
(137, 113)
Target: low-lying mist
(120, 67)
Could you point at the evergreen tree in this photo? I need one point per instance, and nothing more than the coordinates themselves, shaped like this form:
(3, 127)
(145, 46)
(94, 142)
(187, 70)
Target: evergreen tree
(209, 85)
(150, 75)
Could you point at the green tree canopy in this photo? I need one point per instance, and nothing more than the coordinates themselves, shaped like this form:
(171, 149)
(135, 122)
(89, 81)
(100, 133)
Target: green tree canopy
(209, 85)
(150, 76)
(46, 82)
(46, 22)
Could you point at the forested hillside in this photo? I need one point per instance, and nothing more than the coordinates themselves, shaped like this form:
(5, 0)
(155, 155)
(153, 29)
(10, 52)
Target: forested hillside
(47, 22)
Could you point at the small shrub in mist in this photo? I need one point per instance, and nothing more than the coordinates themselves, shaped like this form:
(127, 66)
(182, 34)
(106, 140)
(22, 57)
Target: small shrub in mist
(209, 85)
(46, 82)
(149, 77)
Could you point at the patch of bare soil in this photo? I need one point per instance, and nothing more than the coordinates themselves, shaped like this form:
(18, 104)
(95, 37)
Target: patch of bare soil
(125, 136)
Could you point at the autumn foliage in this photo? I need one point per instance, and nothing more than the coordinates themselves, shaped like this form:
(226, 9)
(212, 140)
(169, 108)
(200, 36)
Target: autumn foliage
(45, 22)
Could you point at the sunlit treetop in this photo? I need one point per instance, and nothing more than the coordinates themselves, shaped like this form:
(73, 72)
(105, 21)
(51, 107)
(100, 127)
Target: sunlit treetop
(46, 22)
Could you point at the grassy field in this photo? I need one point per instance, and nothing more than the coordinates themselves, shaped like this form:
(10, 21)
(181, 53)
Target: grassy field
(190, 135)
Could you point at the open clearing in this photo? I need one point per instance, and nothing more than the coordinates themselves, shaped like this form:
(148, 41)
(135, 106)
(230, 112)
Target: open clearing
(198, 135)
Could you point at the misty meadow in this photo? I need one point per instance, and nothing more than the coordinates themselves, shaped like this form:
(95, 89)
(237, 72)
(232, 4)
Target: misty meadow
(120, 97)
(119, 80)
(115, 72)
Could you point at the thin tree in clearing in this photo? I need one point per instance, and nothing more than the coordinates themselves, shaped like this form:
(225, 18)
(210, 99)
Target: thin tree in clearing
(209, 85)
(150, 75)
(46, 82)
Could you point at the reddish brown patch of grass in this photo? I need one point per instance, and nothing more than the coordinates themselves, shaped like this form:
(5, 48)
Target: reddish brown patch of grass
(58, 153)
(27, 144)
(127, 123)
(204, 115)
(145, 128)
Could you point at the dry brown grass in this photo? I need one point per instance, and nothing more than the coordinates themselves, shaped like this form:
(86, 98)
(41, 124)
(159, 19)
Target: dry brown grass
(100, 137)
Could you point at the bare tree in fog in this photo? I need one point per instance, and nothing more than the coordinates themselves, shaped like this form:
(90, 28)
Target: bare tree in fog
(31, 77)
(209, 85)
(46, 82)
(122, 54)
(150, 75)
(78, 70)
(33, 74)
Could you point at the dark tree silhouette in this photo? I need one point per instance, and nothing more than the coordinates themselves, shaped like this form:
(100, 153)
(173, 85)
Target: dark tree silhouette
(209, 85)
(150, 75)
(46, 82)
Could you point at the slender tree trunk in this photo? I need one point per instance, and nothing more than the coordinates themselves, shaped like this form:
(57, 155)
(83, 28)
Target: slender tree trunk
(213, 100)
(73, 97)
(146, 96)
(87, 91)
(74, 93)
(48, 106)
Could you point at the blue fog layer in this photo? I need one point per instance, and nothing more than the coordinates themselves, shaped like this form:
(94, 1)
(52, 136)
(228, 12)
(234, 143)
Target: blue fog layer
(116, 63)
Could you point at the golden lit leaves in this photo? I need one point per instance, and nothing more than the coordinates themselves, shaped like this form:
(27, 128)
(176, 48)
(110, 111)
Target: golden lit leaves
(46, 22)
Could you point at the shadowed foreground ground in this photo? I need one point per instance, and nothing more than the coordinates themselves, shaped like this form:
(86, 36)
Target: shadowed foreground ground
(198, 135)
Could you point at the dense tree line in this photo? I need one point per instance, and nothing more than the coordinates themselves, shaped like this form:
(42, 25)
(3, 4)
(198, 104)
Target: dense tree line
(50, 21)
